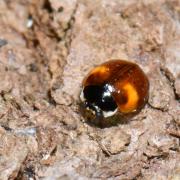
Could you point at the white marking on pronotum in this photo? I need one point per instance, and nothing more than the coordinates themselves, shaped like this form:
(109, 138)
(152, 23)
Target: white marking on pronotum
(82, 95)
(109, 113)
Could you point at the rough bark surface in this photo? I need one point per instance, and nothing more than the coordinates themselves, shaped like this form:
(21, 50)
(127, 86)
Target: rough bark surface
(46, 48)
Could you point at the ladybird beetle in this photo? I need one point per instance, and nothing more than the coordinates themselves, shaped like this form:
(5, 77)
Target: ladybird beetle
(114, 89)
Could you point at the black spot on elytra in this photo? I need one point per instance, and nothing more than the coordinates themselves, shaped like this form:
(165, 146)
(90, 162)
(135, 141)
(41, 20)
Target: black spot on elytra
(100, 96)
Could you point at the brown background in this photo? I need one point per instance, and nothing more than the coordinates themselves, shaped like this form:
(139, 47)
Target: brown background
(42, 134)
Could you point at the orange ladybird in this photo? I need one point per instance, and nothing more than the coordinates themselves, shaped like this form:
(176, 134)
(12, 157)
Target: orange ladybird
(114, 87)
